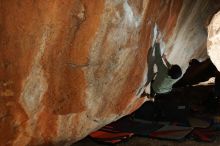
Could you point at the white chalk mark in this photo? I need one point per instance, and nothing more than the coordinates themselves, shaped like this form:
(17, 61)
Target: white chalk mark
(35, 84)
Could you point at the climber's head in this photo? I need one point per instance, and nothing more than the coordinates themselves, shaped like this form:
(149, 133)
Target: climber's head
(175, 71)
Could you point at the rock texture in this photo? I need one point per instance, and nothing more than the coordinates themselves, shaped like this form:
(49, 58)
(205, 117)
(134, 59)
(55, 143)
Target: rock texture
(213, 44)
(68, 67)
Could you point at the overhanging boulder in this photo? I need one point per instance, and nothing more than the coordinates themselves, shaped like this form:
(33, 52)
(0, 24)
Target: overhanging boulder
(213, 43)
(70, 67)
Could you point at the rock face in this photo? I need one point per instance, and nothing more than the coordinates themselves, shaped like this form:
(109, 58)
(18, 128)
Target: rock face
(213, 44)
(68, 67)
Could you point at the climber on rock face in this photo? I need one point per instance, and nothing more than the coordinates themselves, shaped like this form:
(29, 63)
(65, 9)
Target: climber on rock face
(166, 75)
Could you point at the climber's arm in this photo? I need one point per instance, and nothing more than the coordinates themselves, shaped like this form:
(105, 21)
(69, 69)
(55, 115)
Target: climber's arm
(159, 60)
(166, 61)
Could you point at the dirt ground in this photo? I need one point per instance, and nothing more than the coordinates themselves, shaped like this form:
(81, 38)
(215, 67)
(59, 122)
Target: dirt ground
(142, 141)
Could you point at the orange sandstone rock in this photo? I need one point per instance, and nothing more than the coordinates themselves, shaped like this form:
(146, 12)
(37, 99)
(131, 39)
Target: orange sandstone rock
(68, 67)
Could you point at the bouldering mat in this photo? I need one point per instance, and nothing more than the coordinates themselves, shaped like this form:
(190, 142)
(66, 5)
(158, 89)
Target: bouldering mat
(171, 132)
